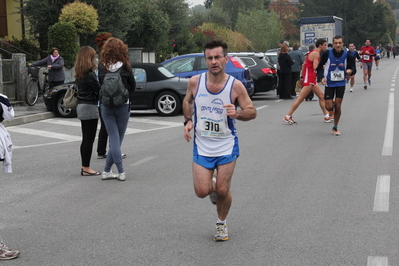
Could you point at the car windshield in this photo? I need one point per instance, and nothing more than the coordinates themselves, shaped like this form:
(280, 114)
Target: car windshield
(165, 72)
(272, 59)
(185, 64)
(248, 61)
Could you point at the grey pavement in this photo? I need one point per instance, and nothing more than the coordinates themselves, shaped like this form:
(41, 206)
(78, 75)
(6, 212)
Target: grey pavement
(26, 114)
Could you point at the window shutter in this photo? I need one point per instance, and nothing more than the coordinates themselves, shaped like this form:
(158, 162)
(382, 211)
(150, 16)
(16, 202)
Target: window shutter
(3, 18)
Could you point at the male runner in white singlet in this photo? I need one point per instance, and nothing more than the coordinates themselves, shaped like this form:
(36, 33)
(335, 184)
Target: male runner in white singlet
(209, 108)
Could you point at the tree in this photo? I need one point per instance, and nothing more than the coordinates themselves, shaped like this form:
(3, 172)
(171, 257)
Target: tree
(236, 41)
(288, 15)
(215, 15)
(82, 15)
(177, 12)
(63, 36)
(208, 4)
(262, 27)
(150, 30)
(43, 13)
(234, 7)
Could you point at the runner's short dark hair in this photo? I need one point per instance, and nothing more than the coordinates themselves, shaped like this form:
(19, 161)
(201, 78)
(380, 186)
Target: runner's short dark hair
(214, 44)
(320, 42)
(336, 37)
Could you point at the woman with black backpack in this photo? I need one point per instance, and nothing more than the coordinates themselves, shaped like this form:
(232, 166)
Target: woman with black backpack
(113, 71)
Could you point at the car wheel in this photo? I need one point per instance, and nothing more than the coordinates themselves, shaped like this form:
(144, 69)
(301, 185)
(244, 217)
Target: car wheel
(168, 103)
(61, 110)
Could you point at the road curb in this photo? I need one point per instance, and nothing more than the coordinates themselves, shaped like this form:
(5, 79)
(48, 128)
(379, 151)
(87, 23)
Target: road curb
(28, 118)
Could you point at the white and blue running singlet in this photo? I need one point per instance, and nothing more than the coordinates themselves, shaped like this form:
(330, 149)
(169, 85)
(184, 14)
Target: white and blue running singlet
(215, 132)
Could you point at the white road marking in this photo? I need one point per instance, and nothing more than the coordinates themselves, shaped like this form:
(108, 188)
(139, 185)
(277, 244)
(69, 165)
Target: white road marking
(143, 161)
(65, 138)
(45, 134)
(381, 198)
(261, 107)
(389, 128)
(76, 123)
(377, 261)
(63, 122)
(14, 147)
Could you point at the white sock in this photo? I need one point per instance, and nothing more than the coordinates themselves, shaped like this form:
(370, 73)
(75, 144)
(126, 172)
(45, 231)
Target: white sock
(287, 116)
(220, 221)
(327, 115)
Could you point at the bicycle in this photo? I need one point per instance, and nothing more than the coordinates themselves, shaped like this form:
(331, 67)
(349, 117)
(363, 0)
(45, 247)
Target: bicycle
(33, 89)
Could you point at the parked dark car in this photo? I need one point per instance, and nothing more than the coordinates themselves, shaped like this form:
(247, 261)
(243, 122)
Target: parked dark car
(156, 88)
(303, 49)
(190, 65)
(272, 58)
(263, 73)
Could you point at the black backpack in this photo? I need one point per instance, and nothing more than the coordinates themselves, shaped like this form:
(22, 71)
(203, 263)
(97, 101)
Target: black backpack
(113, 92)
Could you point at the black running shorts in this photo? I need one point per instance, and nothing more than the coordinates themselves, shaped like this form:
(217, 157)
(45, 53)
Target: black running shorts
(330, 92)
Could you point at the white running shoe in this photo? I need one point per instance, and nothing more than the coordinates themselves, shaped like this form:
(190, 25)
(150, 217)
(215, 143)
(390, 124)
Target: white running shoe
(327, 119)
(122, 177)
(7, 254)
(221, 233)
(108, 175)
(351, 90)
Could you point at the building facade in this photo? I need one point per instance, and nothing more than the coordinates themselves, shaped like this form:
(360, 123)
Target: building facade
(10, 22)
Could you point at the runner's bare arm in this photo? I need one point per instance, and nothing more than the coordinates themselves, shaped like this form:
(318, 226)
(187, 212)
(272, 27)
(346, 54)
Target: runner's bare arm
(316, 60)
(188, 105)
(240, 94)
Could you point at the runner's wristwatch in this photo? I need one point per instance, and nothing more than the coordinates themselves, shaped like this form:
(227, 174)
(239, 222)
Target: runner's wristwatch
(186, 120)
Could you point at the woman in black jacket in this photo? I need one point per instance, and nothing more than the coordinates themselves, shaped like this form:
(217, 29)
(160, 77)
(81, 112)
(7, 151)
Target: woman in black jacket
(87, 109)
(285, 62)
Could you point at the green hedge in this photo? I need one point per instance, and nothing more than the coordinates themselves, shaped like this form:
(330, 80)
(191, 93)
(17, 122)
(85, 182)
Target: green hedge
(63, 35)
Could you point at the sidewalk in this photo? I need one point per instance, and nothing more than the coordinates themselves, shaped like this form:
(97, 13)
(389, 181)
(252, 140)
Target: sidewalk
(26, 114)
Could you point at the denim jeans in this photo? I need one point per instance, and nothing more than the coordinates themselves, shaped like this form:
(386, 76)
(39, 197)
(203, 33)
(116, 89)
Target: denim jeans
(115, 120)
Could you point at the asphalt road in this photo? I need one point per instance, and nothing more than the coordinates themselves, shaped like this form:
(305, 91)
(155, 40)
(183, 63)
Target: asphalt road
(301, 196)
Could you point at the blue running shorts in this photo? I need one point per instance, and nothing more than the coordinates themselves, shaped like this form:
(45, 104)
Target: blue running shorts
(212, 162)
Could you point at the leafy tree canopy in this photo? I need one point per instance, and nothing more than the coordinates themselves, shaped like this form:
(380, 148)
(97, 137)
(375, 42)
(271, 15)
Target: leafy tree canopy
(236, 41)
(82, 15)
(43, 13)
(262, 27)
(234, 7)
(63, 36)
(151, 29)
